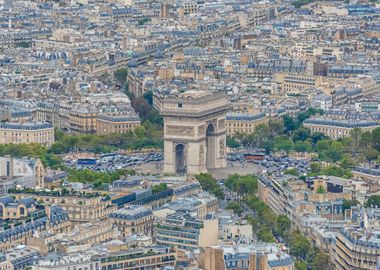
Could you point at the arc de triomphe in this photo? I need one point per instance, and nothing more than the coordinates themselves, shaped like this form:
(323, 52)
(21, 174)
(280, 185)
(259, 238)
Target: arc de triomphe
(194, 131)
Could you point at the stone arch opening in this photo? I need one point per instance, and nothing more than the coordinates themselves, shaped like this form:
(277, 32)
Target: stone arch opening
(210, 146)
(180, 163)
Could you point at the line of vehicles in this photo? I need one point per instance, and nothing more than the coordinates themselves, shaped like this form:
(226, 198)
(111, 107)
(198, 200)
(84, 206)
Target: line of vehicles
(112, 161)
(276, 165)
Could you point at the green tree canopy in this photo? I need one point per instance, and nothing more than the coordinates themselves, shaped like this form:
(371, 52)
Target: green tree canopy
(235, 207)
(322, 261)
(232, 142)
(209, 184)
(283, 143)
(121, 75)
(373, 201)
(159, 188)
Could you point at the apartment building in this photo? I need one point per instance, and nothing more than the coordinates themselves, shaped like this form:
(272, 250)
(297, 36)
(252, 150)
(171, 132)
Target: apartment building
(293, 83)
(356, 248)
(59, 261)
(185, 232)
(189, 7)
(80, 208)
(198, 206)
(41, 133)
(336, 129)
(83, 120)
(138, 258)
(244, 123)
(133, 219)
(16, 209)
(118, 123)
(53, 219)
(245, 257)
(53, 113)
(5, 264)
(275, 193)
(91, 233)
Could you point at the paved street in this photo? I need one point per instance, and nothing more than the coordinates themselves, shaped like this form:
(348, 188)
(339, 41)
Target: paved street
(232, 168)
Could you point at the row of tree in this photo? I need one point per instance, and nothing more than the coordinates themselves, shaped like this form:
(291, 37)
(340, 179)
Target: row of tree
(209, 184)
(269, 226)
(289, 135)
(244, 185)
(145, 136)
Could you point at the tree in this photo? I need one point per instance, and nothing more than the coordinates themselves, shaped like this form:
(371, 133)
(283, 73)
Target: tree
(376, 138)
(373, 201)
(275, 127)
(283, 225)
(292, 171)
(235, 207)
(365, 139)
(242, 184)
(321, 189)
(355, 135)
(159, 188)
(289, 123)
(209, 184)
(336, 171)
(322, 261)
(98, 178)
(371, 154)
(148, 96)
(283, 143)
(121, 75)
(300, 265)
(348, 203)
(302, 116)
(265, 234)
(315, 167)
(299, 245)
(301, 134)
(330, 150)
(142, 107)
(347, 162)
(261, 132)
(232, 142)
(317, 136)
(301, 146)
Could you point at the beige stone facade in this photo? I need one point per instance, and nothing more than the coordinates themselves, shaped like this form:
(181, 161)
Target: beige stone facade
(244, 123)
(194, 131)
(137, 259)
(79, 208)
(336, 129)
(83, 120)
(41, 133)
(292, 83)
(133, 219)
(356, 249)
(29, 172)
(108, 124)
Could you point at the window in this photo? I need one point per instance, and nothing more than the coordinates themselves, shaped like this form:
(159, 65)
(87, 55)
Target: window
(179, 105)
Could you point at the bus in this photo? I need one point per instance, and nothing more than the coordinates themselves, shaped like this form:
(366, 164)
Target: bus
(86, 161)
